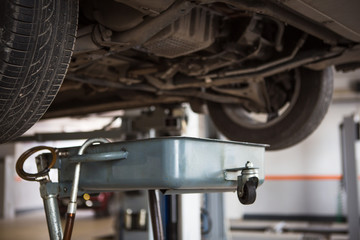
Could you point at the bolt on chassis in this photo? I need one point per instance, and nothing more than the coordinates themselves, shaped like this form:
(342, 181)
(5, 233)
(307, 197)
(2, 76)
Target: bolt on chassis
(173, 165)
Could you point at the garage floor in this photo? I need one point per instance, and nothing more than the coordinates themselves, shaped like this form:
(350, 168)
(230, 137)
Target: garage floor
(291, 230)
(32, 226)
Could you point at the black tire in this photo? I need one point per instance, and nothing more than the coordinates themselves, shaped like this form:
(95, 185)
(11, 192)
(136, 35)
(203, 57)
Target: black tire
(249, 195)
(314, 95)
(37, 39)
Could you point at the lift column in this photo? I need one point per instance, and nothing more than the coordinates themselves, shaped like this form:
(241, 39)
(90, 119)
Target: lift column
(349, 135)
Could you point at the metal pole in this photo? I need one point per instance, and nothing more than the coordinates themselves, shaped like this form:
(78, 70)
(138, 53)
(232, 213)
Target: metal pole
(52, 215)
(215, 207)
(48, 192)
(348, 138)
(214, 202)
(155, 216)
(71, 210)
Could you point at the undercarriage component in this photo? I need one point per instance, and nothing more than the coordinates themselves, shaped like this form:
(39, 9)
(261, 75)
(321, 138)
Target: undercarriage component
(106, 34)
(111, 14)
(190, 33)
(147, 29)
(274, 10)
(172, 165)
(152, 8)
(296, 107)
(121, 15)
(233, 55)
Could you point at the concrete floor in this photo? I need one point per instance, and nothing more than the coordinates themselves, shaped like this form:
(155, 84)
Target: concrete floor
(32, 226)
(291, 230)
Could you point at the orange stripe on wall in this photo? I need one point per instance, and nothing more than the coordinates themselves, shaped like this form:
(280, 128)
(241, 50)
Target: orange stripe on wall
(302, 177)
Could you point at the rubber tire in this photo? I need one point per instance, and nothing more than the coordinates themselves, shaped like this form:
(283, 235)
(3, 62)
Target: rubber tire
(310, 107)
(37, 40)
(249, 195)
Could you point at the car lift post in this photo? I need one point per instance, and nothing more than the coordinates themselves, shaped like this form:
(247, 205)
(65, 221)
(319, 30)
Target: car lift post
(349, 135)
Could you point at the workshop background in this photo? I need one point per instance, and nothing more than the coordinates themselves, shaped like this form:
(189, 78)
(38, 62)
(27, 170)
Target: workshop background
(302, 183)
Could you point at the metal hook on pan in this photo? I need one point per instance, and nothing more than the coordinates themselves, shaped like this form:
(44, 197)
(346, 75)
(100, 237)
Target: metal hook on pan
(34, 176)
(70, 215)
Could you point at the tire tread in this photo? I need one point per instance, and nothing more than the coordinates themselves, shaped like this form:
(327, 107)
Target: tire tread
(34, 64)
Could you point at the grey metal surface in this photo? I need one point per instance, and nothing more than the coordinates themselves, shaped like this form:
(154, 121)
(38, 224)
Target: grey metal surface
(274, 10)
(178, 164)
(2, 187)
(156, 221)
(214, 202)
(332, 14)
(95, 157)
(49, 194)
(53, 217)
(215, 207)
(183, 36)
(348, 138)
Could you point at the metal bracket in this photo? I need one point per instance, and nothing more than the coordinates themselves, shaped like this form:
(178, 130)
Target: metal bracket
(98, 157)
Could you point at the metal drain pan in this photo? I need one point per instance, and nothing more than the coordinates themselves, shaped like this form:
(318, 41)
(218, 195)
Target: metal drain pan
(173, 164)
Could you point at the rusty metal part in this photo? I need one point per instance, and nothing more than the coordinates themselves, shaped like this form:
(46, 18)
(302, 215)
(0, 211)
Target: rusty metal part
(246, 74)
(111, 106)
(111, 84)
(205, 96)
(350, 55)
(279, 36)
(69, 225)
(41, 174)
(147, 29)
(268, 65)
(166, 93)
(188, 34)
(254, 91)
(99, 36)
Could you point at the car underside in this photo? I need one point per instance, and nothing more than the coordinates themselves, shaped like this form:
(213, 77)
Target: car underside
(256, 65)
(137, 53)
